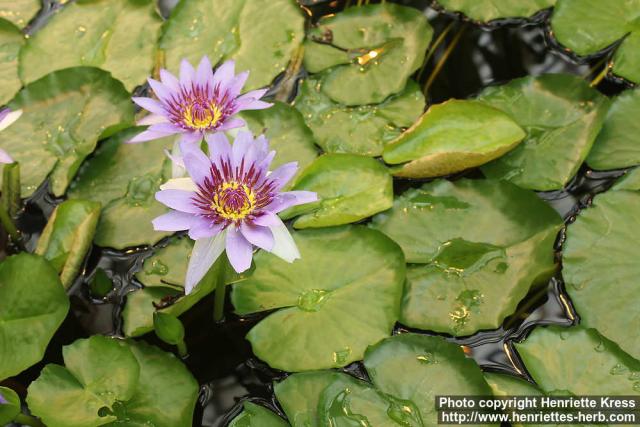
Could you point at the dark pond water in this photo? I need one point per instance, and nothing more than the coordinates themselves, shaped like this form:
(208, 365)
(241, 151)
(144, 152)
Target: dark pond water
(220, 357)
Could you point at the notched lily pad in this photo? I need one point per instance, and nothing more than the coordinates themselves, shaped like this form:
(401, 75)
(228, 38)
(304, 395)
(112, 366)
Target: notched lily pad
(562, 116)
(451, 137)
(368, 52)
(34, 305)
(346, 274)
(254, 415)
(19, 12)
(349, 187)
(11, 40)
(118, 36)
(64, 115)
(362, 129)
(261, 37)
(489, 10)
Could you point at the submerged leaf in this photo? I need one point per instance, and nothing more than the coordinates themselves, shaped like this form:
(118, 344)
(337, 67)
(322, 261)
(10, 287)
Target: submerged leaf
(11, 40)
(488, 10)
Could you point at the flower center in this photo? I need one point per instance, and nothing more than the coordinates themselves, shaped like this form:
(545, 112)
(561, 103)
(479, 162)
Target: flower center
(233, 201)
(201, 115)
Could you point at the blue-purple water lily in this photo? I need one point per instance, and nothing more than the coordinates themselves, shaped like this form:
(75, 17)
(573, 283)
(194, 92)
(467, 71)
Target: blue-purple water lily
(198, 103)
(230, 201)
(7, 117)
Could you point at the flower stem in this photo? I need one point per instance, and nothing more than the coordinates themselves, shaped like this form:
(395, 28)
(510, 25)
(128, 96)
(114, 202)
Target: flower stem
(10, 227)
(11, 188)
(600, 75)
(444, 57)
(182, 349)
(28, 420)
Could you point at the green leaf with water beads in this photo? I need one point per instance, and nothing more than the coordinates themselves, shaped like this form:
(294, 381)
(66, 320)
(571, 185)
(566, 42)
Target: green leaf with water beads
(19, 12)
(64, 115)
(618, 143)
(562, 116)
(362, 129)
(254, 415)
(349, 187)
(67, 237)
(124, 179)
(600, 267)
(451, 137)
(288, 135)
(488, 10)
(34, 305)
(589, 26)
(416, 368)
(260, 36)
(361, 47)
(106, 380)
(11, 40)
(11, 408)
(578, 361)
(345, 275)
(118, 36)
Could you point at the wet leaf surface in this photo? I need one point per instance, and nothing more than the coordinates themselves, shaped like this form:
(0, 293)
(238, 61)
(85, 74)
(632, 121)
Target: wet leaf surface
(11, 40)
(488, 10)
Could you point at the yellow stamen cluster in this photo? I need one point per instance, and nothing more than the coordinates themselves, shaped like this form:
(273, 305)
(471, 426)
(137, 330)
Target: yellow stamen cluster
(197, 117)
(233, 201)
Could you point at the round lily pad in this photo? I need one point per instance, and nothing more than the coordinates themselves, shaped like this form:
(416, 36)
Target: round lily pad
(488, 10)
(580, 362)
(362, 129)
(368, 52)
(416, 368)
(618, 143)
(64, 115)
(346, 275)
(260, 36)
(19, 12)
(118, 36)
(254, 415)
(600, 267)
(349, 187)
(588, 26)
(106, 381)
(451, 137)
(11, 40)
(562, 116)
(34, 305)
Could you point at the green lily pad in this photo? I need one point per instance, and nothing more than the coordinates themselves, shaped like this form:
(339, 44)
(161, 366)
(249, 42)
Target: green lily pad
(64, 115)
(260, 36)
(19, 12)
(124, 179)
(254, 415)
(11, 40)
(600, 267)
(359, 130)
(630, 181)
(488, 10)
(588, 26)
(618, 143)
(562, 116)
(347, 274)
(9, 405)
(349, 187)
(107, 380)
(580, 362)
(34, 305)
(451, 137)
(288, 135)
(361, 47)
(118, 36)
(416, 368)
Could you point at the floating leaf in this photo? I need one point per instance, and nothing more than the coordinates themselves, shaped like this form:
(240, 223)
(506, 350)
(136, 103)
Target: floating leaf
(19, 12)
(630, 181)
(451, 137)
(34, 305)
(9, 405)
(347, 274)
(507, 386)
(118, 36)
(350, 188)
(600, 267)
(618, 143)
(588, 26)
(254, 415)
(107, 380)
(359, 130)
(261, 36)
(416, 368)
(562, 116)
(67, 237)
(368, 52)
(11, 40)
(488, 10)
(124, 178)
(578, 361)
(64, 115)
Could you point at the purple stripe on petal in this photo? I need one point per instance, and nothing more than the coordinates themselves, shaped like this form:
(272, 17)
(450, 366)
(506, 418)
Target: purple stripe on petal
(177, 199)
(257, 235)
(202, 228)
(239, 250)
(283, 174)
(5, 157)
(173, 221)
(150, 105)
(4, 112)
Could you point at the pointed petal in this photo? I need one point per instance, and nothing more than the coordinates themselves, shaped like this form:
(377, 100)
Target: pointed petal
(169, 80)
(185, 184)
(152, 119)
(177, 199)
(8, 117)
(232, 123)
(204, 74)
(161, 91)
(224, 74)
(219, 147)
(257, 235)
(154, 132)
(267, 219)
(150, 105)
(291, 198)
(196, 162)
(172, 221)
(284, 247)
(5, 157)
(202, 228)
(239, 250)
(240, 146)
(235, 86)
(283, 174)
(187, 73)
(205, 252)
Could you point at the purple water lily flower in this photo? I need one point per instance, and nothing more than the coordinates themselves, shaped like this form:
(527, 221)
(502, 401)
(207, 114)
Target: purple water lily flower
(7, 117)
(230, 201)
(199, 103)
